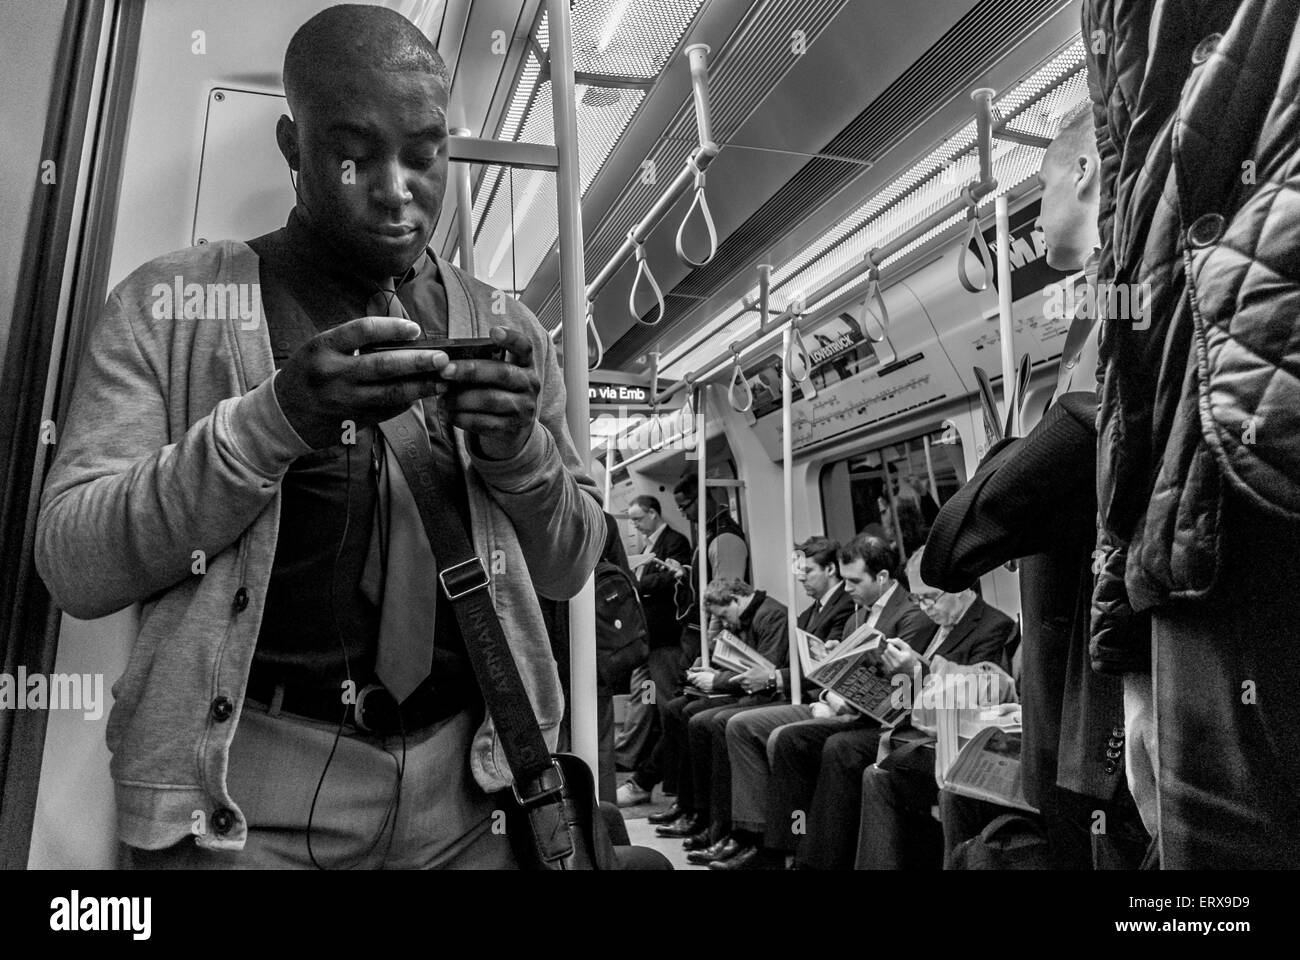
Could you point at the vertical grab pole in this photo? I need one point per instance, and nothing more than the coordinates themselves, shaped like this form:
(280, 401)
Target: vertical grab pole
(609, 472)
(764, 296)
(698, 54)
(701, 515)
(1004, 311)
(464, 210)
(582, 608)
(787, 482)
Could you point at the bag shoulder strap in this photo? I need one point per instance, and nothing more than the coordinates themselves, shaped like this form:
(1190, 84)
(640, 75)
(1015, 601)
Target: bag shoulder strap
(538, 784)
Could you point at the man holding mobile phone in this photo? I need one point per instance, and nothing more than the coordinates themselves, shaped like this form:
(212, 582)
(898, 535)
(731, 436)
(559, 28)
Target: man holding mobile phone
(300, 693)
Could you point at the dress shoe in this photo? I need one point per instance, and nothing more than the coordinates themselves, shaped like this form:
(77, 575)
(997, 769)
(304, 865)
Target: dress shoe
(724, 849)
(683, 826)
(749, 858)
(698, 841)
(665, 816)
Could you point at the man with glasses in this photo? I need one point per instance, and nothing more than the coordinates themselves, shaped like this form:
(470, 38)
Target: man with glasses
(969, 631)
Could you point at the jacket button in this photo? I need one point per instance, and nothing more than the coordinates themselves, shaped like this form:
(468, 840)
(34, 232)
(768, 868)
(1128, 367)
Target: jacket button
(241, 599)
(1205, 48)
(222, 708)
(1114, 754)
(1206, 229)
(1111, 767)
(222, 820)
(1117, 732)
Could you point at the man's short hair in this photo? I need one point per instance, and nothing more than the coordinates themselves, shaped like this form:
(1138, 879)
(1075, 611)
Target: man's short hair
(1076, 136)
(352, 32)
(874, 552)
(647, 503)
(722, 591)
(821, 550)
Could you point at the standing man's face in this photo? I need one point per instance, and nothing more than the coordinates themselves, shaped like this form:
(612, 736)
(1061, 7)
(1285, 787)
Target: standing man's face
(645, 521)
(370, 147)
(688, 506)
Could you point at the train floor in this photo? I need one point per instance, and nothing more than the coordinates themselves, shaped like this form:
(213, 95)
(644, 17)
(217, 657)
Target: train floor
(642, 833)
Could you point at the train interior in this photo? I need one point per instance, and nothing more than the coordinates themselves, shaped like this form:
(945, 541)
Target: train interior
(845, 227)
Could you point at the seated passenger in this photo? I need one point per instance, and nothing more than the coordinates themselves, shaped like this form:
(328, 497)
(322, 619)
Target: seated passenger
(771, 798)
(760, 622)
(825, 618)
(969, 631)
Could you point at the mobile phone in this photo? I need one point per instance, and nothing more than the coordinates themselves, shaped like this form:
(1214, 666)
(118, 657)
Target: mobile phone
(469, 348)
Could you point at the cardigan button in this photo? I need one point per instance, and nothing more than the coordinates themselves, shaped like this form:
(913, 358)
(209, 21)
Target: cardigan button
(223, 820)
(222, 708)
(1206, 229)
(1205, 48)
(241, 599)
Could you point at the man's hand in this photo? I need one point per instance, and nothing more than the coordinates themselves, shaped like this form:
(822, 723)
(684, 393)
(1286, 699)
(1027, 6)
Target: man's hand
(702, 679)
(325, 383)
(754, 679)
(495, 401)
(898, 657)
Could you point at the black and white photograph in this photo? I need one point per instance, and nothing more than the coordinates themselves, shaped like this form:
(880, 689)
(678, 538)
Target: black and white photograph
(454, 435)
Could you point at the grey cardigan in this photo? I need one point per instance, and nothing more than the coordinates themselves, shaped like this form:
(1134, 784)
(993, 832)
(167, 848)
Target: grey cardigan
(175, 443)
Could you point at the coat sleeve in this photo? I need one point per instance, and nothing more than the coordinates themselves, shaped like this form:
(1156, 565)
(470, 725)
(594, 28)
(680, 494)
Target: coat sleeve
(125, 506)
(546, 491)
(1018, 498)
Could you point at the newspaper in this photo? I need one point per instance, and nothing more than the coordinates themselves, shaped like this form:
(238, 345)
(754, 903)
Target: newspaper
(852, 670)
(732, 653)
(988, 768)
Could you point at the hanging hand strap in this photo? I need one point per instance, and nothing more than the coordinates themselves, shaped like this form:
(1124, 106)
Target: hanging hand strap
(888, 354)
(643, 270)
(738, 379)
(974, 233)
(538, 784)
(594, 334)
(702, 202)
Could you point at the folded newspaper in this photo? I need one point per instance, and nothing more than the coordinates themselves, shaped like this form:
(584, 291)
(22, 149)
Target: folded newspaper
(732, 653)
(851, 670)
(988, 768)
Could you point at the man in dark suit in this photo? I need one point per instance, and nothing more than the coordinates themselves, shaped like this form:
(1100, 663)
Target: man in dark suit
(764, 797)
(817, 567)
(968, 631)
(656, 682)
(758, 621)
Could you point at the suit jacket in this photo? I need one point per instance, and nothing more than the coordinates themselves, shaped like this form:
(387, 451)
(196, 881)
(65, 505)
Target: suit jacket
(903, 619)
(827, 623)
(1034, 498)
(983, 633)
(658, 587)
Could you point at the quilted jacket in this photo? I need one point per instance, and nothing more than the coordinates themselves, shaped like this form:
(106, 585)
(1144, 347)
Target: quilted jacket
(1199, 140)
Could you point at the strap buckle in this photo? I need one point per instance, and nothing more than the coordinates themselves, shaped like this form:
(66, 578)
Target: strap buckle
(463, 578)
(549, 784)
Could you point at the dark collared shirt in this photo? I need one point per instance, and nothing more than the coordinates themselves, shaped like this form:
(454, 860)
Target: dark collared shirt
(316, 615)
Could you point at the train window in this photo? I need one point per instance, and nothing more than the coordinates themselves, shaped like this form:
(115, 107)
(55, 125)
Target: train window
(893, 491)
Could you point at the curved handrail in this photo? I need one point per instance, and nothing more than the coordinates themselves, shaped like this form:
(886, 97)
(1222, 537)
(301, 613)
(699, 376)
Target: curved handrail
(738, 378)
(686, 415)
(643, 270)
(592, 331)
(981, 252)
(701, 201)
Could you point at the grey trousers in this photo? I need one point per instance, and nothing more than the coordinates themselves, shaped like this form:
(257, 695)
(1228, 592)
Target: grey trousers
(439, 818)
(747, 735)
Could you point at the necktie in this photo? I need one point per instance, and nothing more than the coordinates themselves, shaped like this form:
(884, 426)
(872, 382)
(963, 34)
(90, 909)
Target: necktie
(400, 573)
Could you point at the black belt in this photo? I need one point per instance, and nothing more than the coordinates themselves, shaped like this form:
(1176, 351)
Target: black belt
(375, 712)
